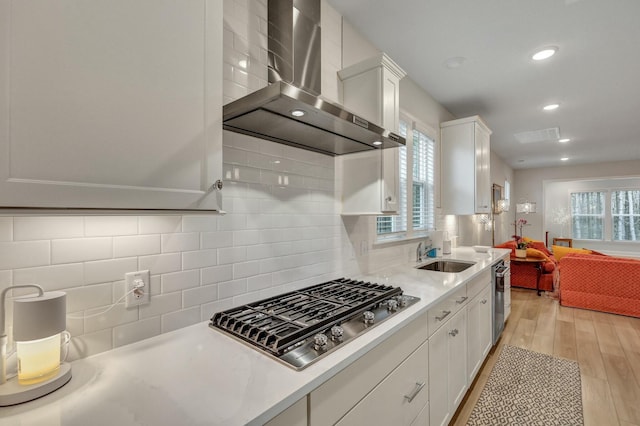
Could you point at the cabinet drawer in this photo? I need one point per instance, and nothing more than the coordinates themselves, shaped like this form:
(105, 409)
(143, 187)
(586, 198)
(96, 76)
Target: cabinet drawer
(440, 313)
(388, 403)
(476, 285)
(332, 400)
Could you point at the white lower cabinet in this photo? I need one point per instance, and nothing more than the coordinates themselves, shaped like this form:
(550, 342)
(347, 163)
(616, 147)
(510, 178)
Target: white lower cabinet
(447, 368)
(479, 330)
(296, 415)
(381, 374)
(399, 399)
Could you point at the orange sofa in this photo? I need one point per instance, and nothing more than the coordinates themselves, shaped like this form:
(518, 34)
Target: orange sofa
(524, 275)
(600, 283)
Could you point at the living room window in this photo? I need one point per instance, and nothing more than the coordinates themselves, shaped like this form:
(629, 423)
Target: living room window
(587, 215)
(625, 214)
(416, 198)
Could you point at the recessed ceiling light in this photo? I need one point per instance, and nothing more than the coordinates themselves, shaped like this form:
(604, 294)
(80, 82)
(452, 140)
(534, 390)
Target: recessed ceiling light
(545, 53)
(565, 140)
(551, 107)
(377, 143)
(455, 62)
(297, 112)
(564, 159)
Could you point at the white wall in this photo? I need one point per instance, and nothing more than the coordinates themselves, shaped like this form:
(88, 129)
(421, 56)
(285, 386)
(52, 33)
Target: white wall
(530, 184)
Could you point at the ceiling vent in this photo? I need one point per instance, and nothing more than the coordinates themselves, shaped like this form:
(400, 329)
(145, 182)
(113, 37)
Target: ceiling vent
(543, 135)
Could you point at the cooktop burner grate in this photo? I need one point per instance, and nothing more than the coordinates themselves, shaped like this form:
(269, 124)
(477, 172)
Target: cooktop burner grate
(283, 323)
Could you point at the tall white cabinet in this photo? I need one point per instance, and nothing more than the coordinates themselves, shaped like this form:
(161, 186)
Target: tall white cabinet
(370, 180)
(465, 161)
(111, 104)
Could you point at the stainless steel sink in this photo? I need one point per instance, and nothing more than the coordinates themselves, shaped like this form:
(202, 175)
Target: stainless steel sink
(446, 266)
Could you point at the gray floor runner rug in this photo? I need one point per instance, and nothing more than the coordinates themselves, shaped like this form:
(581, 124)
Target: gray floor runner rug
(530, 388)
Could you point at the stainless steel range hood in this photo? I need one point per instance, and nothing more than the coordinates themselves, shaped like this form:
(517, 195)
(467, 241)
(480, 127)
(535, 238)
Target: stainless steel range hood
(290, 110)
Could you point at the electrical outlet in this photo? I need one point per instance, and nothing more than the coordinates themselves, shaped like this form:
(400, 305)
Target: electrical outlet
(137, 288)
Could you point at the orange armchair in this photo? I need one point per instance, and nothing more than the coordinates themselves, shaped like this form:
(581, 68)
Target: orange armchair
(525, 275)
(601, 283)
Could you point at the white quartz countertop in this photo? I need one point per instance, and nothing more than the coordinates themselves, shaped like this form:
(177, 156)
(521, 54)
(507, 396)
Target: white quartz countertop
(198, 376)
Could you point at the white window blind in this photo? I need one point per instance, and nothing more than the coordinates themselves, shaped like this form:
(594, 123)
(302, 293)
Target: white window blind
(416, 198)
(625, 215)
(587, 215)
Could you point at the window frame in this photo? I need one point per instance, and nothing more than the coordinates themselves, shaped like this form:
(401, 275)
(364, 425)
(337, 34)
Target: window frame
(410, 232)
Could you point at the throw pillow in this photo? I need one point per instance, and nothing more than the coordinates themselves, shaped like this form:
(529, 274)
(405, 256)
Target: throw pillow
(560, 251)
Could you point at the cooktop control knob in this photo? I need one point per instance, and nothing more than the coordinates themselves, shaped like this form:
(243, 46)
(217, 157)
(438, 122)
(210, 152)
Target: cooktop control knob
(392, 305)
(369, 317)
(337, 333)
(403, 300)
(320, 342)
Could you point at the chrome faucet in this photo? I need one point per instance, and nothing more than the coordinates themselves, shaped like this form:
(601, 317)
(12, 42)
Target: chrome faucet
(419, 252)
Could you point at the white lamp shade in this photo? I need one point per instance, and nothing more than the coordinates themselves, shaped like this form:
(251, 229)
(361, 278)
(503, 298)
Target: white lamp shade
(40, 316)
(526, 207)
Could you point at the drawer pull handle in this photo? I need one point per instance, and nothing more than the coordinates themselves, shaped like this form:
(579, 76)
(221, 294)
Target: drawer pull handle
(454, 332)
(444, 315)
(483, 301)
(461, 300)
(416, 391)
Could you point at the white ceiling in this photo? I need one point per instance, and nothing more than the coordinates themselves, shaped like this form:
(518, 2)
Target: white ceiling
(595, 76)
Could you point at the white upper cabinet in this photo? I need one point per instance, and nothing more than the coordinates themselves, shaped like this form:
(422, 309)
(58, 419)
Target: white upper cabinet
(465, 161)
(111, 104)
(370, 180)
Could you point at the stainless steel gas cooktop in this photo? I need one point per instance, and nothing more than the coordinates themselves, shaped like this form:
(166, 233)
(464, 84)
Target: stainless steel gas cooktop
(301, 326)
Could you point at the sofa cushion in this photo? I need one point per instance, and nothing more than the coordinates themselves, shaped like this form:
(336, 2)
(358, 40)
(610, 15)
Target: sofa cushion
(560, 251)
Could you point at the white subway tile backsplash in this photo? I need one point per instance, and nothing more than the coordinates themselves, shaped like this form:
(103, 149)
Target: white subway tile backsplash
(136, 245)
(175, 320)
(245, 238)
(259, 282)
(81, 249)
(133, 332)
(90, 344)
(109, 270)
(232, 288)
(92, 296)
(54, 277)
(208, 309)
(231, 255)
(197, 223)
(199, 296)
(107, 226)
(161, 263)
(199, 259)
(108, 317)
(217, 239)
(216, 274)
(48, 227)
(180, 242)
(6, 229)
(246, 269)
(161, 304)
(180, 280)
(159, 224)
(24, 254)
(6, 279)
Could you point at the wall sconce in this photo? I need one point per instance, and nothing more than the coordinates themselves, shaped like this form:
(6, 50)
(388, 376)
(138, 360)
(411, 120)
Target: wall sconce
(503, 205)
(38, 323)
(526, 207)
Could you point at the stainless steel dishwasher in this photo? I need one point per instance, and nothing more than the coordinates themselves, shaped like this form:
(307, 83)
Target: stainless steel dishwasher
(499, 275)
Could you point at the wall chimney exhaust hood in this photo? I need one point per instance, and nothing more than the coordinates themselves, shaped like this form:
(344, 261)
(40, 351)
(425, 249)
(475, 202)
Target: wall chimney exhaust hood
(289, 110)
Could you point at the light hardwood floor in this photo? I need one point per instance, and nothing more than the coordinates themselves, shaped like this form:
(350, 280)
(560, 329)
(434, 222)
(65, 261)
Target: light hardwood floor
(606, 346)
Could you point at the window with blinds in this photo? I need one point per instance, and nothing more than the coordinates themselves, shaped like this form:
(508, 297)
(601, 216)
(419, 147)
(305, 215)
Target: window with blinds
(416, 198)
(625, 215)
(587, 215)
